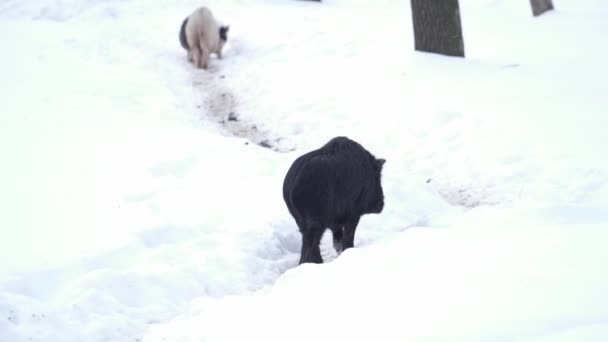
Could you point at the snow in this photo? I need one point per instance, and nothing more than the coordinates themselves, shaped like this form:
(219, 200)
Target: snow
(134, 209)
(443, 284)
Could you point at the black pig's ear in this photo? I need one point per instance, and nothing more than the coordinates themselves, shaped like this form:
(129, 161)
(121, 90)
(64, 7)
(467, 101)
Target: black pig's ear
(380, 162)
(224, 32)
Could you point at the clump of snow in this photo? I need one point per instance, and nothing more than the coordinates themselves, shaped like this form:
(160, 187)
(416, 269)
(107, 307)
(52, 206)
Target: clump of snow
(142, 197)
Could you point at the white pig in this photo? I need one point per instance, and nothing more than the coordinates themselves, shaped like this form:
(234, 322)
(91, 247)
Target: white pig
(201, 36)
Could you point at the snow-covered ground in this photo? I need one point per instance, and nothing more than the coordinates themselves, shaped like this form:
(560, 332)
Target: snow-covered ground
(133, 209)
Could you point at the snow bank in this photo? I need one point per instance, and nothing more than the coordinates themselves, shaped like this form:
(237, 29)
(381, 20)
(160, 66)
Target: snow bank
(515, 279)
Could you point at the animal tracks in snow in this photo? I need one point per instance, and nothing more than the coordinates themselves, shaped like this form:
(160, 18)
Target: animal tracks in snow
(220, 104)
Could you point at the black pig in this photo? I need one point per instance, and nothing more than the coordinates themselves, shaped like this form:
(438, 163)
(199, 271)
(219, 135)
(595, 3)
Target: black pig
(332, 187)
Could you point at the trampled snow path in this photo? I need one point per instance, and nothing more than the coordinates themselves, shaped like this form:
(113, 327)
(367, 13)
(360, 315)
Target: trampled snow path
(124, 202)
(219, 103)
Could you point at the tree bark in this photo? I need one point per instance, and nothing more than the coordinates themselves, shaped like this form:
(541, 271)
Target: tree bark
(437, 27)
(541, 6)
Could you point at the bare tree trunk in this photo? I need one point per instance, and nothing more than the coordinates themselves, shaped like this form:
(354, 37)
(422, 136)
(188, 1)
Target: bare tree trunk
(541, 6)
(437, 27)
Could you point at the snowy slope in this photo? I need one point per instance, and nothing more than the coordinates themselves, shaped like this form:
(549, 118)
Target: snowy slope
(517, 280)
(129, 210)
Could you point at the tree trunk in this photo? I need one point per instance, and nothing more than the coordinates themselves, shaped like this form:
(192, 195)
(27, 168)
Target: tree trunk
(541, 6)
(437, 27)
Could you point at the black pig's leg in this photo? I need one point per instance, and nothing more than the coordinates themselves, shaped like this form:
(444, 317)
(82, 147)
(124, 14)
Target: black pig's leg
(311, 238)
(338, 236)
(349, 232)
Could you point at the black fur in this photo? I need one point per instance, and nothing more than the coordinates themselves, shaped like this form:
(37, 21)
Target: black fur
(182, 35)
(224, 33)
(332, 187)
